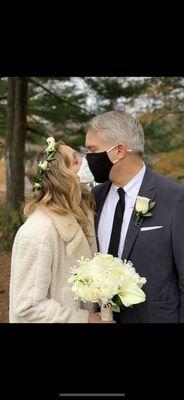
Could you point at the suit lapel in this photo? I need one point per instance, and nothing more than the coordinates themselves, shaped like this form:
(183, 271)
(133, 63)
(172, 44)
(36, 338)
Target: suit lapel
(147, 189)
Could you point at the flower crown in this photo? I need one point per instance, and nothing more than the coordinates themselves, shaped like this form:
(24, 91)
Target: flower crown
(50, 151)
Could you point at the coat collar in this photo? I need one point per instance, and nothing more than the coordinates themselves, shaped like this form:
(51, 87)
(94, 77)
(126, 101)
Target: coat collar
(66, 225)
(77, 242)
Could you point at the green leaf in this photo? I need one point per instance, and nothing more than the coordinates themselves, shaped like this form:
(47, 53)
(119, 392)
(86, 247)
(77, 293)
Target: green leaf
(116, 308)
(50, 156)
(152, 204)
(116, 299)
(138, 220)
(148, 215)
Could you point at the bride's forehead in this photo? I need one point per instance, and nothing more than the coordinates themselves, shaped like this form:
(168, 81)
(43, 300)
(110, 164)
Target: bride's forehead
(71, 152)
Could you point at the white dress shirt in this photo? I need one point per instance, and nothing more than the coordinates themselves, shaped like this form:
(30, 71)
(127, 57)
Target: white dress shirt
(107, 215)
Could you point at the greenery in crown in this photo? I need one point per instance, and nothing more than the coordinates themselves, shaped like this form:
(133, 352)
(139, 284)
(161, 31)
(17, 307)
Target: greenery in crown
(50, 151)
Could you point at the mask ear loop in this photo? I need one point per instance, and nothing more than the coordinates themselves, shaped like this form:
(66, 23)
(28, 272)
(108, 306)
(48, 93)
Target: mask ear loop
(112, 149)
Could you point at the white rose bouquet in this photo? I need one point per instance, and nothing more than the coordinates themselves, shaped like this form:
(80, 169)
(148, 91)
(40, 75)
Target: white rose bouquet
(108, 281)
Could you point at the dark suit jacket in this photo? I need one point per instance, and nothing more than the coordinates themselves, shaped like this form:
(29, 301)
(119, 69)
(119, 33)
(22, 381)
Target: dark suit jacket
(156, 254)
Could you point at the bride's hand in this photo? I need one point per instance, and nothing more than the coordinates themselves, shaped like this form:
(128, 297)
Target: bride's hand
(94, 318)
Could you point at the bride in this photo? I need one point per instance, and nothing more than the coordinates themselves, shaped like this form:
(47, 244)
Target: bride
(58, 230)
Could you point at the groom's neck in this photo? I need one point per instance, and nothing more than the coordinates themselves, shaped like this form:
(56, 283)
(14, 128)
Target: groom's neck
(126, 171)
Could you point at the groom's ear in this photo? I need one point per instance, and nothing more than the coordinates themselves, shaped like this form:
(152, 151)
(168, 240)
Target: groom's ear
(121, 150)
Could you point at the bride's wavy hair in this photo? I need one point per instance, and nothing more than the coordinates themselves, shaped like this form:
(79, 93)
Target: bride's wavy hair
(61, 190)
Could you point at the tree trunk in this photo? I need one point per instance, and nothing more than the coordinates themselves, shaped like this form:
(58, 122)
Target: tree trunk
(15, 141)
(9, 136)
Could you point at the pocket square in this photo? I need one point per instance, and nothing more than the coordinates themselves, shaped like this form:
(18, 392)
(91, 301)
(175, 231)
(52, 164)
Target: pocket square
(149, 228)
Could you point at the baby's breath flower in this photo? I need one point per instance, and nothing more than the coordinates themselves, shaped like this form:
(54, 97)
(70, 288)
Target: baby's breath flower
(51, 145)
(36, 186)
(43, 165)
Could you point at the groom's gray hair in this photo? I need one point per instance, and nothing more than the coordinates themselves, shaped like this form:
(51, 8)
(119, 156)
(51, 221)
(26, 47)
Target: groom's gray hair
(119, 126)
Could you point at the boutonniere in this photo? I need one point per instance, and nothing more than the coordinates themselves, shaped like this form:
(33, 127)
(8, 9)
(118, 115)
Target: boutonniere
(143, 206)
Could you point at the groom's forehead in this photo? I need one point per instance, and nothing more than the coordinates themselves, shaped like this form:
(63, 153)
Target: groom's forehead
(94, 139)
(91, 138)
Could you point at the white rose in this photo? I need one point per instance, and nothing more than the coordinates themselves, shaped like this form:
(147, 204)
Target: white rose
(104, 259)
(142, 204)
(43, 165)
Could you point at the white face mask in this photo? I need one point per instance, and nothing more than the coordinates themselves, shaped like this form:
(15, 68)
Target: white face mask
(85, 175)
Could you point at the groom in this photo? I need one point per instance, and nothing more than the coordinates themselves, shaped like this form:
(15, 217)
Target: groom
(115, 143)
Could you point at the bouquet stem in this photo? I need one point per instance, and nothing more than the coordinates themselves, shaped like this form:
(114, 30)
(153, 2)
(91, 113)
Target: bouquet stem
(106, 312)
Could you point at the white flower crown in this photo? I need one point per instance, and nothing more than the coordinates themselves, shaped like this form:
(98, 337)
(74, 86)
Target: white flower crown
(50, 151)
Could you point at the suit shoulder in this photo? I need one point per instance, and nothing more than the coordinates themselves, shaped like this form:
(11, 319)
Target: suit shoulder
(168, 182)
(168, 188)
(100, 188)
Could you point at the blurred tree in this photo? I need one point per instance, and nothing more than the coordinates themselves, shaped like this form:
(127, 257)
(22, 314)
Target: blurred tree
(158, 102)
(3, 105)
(57, 106)
(171, 164)
(61, 106)
(163, 121)
(15, 141)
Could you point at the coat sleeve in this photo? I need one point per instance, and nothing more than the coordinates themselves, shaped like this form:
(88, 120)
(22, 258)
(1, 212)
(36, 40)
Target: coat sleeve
(178, 246)
(29, 286)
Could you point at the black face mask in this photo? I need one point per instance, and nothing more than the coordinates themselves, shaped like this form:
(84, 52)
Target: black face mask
(100, 165)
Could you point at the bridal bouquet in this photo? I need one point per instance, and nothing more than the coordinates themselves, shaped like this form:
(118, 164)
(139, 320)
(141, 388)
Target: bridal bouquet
(108, 281)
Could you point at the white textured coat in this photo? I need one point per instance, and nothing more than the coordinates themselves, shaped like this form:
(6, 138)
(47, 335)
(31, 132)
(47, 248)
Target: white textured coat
(45, 248)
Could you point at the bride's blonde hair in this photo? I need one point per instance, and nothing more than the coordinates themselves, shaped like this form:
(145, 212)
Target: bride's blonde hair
(61, 190)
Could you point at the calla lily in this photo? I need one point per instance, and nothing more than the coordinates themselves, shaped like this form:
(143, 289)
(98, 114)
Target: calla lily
(131, 294)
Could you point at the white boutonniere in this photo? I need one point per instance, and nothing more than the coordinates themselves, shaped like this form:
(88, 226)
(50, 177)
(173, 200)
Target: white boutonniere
(143, 206)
